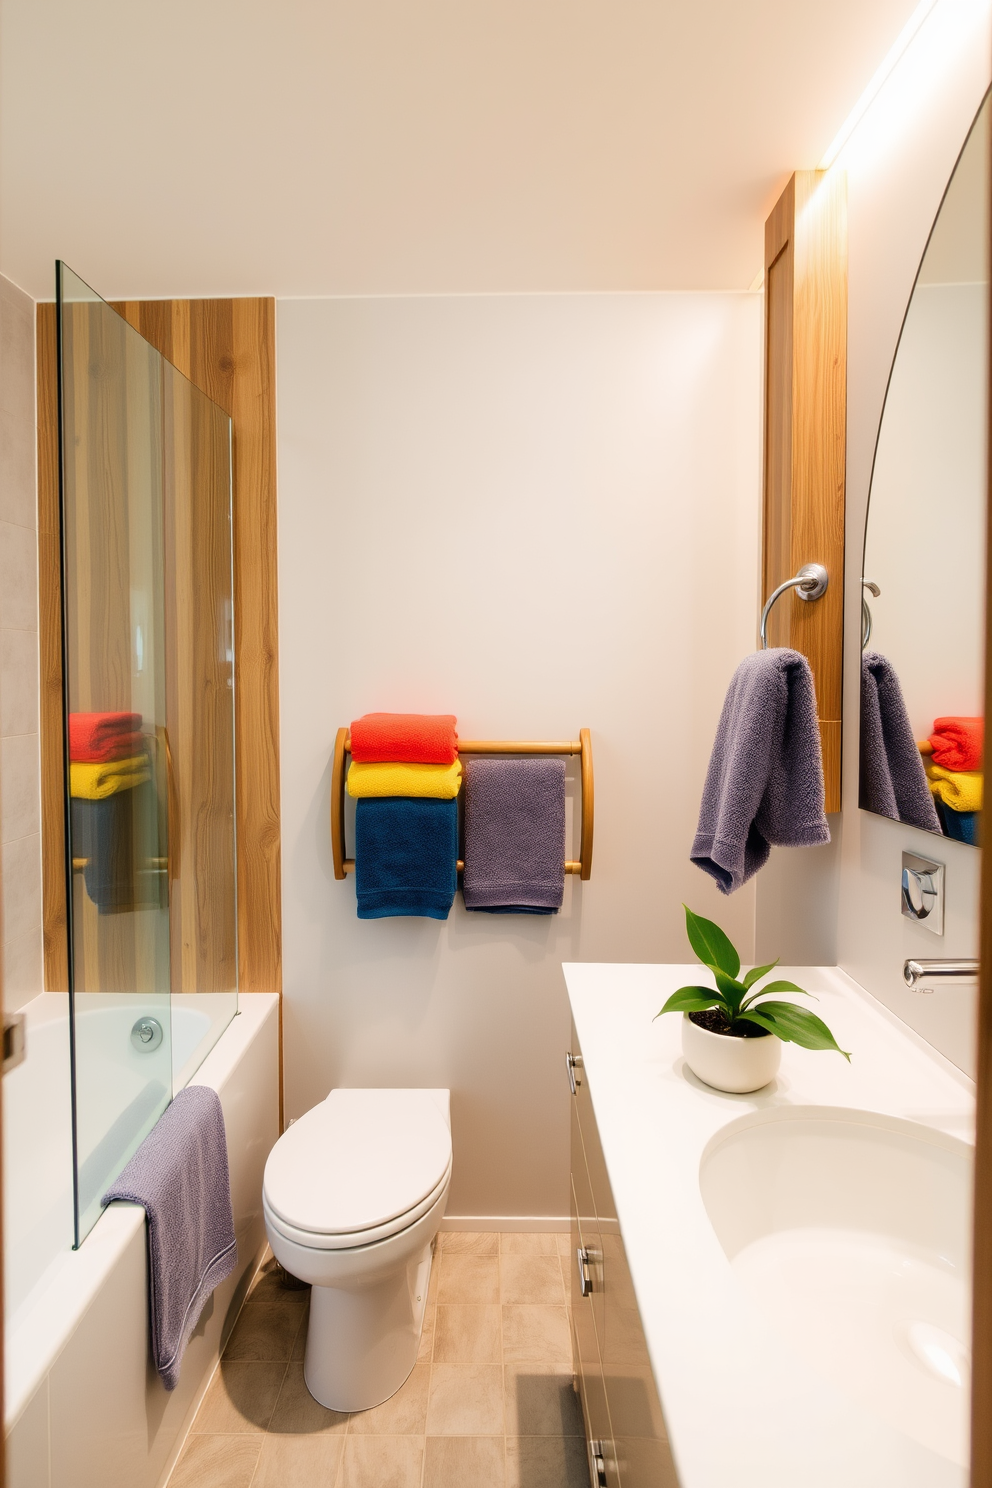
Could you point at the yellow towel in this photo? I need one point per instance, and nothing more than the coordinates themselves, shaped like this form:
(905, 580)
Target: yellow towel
(440, 781)
(960, 790)
(97, 782)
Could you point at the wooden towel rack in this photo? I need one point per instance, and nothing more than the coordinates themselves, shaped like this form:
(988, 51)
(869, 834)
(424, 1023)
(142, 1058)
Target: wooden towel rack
(581, 746)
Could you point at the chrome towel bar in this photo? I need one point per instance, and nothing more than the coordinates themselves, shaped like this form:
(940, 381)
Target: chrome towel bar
(809, 583)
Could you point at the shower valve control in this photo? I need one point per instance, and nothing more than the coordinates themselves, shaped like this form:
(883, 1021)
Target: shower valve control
(597, 1465)
(923, 892)
(147, 1034)
(573, 1063)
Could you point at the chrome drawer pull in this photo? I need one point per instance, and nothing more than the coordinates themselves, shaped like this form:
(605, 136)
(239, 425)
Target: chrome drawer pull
(585, 1280)
(597, 1463)
(573, 1062)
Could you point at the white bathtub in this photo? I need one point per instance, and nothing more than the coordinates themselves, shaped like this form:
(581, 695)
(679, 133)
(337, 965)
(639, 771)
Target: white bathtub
(83, 1407)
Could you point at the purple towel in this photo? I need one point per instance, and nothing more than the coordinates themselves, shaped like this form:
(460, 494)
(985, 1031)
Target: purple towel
(764, 786)
(893, 781)
(514, 834)
(179, 1175)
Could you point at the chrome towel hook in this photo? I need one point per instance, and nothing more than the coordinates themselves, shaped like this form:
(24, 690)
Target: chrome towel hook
(866, 611)
(810, 583)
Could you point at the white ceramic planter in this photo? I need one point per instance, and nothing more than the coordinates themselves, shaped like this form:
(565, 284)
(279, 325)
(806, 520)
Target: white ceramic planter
(735, 1064)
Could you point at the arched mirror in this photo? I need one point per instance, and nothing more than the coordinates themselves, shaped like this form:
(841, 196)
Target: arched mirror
(923, 616)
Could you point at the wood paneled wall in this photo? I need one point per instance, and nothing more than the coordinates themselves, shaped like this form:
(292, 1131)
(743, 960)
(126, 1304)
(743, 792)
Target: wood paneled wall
(227, 348)
(806, 433)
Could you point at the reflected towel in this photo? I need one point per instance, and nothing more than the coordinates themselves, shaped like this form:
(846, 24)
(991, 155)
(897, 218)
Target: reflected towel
(764, 785)
(117, 837)
(960, 826)
(958, 790)
(514, 835)
(180, 1176)
(892, 781)
(103, 736)
(406, 852)
(440, 781)
(96, 782)
(958, 743)
(412, 738)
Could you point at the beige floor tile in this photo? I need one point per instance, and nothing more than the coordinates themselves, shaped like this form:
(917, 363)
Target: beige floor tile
(297, 1413)
(540, 1401)
(381, 1462)
(241, 1398)
(463, 1278)
(269, 1323)
(536, 1333)
(298, 1462)
(300, 1346)
(216, 1462)
(466, 1334)
(403, 1414)
(465, 1400)
(464, 1462)
(427, 1334)
(517, 1243)
(531, 1279)
(546, 1461)
(466, 1242)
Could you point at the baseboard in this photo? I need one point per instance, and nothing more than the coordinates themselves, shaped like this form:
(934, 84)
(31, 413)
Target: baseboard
(529, 1224)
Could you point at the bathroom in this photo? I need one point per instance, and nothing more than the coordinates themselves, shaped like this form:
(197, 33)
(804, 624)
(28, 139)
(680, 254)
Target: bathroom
(483, 295)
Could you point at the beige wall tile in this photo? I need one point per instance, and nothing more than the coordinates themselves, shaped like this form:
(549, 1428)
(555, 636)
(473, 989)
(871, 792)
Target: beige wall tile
(381, 1462)
(20, 788)
(18, 577)
(464, 1462)
(469, 1242)
(21, 872)
(531, 1279)
(17, 392)
(217, 1462)
(465, 1400)
(564, 1243)
(517, 1243)
(540, 1401)
(18, 499)
(23, 973)
(297, 1412)
(241, 1398)
(298, 1462)
(403, 1414)
(553, 1464)
(466, 1334)
(18, 682)
(463, 1278)
(536, 1333)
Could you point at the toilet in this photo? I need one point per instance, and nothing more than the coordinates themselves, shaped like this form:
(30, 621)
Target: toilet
(353, 1197)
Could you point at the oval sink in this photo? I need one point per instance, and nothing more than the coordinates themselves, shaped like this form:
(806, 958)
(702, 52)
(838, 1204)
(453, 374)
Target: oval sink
(854, 1231)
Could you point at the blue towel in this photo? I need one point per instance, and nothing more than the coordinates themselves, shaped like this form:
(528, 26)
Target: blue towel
(406, 855)
(180, 1175)
(960, 826)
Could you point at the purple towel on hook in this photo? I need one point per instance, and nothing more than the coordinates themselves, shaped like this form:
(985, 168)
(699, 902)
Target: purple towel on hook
(893, 781)
(514, 834)
(764, 786)
(179, 1175)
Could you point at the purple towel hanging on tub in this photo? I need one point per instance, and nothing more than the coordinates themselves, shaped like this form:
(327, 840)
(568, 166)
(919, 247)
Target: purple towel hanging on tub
(514, 835)
(180, 1176)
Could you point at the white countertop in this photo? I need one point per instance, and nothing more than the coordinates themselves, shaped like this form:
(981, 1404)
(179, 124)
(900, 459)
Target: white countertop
(742, 1410)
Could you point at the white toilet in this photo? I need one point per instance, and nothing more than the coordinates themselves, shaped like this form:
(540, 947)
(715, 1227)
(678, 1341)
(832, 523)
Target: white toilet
(353, 1196)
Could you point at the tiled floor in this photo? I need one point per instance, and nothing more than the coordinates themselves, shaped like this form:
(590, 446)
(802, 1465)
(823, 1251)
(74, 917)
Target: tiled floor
(489, 1404)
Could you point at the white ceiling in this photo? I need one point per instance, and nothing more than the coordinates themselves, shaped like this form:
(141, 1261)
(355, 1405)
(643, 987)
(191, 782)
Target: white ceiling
(314, 147)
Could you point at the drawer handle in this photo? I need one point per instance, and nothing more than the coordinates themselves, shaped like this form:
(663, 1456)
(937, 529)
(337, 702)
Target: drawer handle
(573, 1062)
(597, 1462)
(585, 1280)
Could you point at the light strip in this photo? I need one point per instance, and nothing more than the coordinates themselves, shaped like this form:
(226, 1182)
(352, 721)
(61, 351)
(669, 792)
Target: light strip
(878, 81)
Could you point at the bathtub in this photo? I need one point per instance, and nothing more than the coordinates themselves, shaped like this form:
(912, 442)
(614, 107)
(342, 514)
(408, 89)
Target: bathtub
(83, 1407)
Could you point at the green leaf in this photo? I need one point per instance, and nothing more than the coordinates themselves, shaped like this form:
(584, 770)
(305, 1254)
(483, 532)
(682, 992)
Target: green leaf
(757, 972)
(731, 992)
(692, 1000)
(794, 1025)
(710, 944)
(784, 987)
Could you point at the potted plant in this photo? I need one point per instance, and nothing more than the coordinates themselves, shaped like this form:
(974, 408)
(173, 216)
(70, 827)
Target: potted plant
(731, 1037)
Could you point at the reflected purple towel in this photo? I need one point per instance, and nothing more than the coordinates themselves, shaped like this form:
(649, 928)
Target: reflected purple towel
(893, 781)
(514, 835)
(764, 786)
(179, 1175)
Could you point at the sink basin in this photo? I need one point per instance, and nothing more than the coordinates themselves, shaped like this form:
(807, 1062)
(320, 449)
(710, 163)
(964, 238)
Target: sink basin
(853, 1232)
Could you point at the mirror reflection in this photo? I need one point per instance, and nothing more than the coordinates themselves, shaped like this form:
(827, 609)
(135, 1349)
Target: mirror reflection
(924, 585)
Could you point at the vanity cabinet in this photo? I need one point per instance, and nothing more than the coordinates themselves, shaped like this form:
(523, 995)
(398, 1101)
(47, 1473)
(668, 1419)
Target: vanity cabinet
(625, 1428)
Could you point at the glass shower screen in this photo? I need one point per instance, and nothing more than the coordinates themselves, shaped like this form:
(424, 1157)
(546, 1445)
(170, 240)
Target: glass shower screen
(148, 681)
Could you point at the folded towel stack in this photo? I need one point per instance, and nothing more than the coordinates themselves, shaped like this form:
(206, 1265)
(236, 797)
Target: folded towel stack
(108, 762)
(106, 754)
(405, 775)
(952, 759)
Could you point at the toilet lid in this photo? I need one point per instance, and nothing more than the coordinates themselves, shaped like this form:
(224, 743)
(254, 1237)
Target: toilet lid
(359, 1159)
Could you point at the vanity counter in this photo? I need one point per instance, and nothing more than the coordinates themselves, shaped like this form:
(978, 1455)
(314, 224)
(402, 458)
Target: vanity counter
(742, 1408)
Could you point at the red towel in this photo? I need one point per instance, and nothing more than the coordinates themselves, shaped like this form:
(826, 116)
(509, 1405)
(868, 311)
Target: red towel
(97, 737)
(958, 743)
(405, 738)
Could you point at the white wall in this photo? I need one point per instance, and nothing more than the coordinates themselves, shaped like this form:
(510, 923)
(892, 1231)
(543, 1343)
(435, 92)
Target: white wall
(538, 513)
(20, 767)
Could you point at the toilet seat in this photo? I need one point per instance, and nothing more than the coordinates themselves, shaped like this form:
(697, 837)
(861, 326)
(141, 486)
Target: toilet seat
(361, 1166)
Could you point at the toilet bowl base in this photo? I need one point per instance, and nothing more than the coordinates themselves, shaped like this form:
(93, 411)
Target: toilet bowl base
(362, 1342)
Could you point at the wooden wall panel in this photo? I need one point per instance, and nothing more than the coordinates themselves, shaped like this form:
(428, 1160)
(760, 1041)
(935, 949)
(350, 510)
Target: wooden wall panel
(227, 348)
(805, 432)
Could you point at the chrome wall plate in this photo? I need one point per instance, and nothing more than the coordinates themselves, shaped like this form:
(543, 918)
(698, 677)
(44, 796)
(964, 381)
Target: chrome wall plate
(923, 892)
